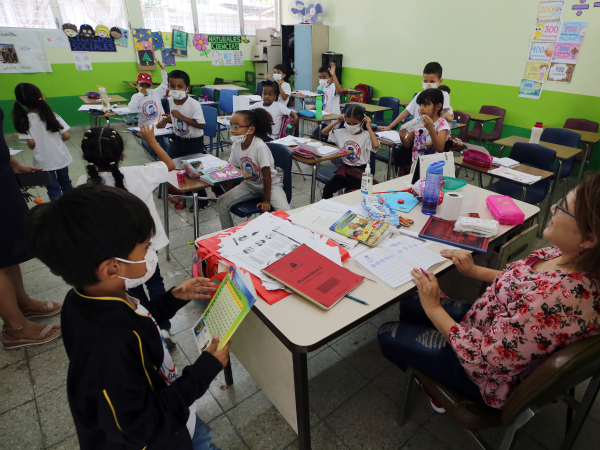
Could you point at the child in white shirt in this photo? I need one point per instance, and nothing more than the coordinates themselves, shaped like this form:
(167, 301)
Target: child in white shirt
(281, 78)
(250, 153)
(46, 133)
(356, 136)
(330, 88)
(275, 109)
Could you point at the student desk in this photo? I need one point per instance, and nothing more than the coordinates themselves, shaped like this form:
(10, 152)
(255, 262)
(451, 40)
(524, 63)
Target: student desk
(587, 137)
(369, 109)
(303, 98)
(325, 118)
(98, 101)
(479, 117)
(95, 119)
(272, 342)
(219, 87)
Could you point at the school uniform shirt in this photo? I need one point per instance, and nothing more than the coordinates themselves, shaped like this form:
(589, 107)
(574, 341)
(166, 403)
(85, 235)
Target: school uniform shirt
(277, 112)
(414, 109)
(116, 386)
(50, 152)
(150, 104)
(254, 158)
(360, 143)
(422, 144)
(141, 181)
(286, 89)
(192, 110)
(331, 100)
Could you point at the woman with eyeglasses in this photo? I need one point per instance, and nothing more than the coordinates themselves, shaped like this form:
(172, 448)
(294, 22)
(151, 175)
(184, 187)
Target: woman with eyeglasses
(533, 307)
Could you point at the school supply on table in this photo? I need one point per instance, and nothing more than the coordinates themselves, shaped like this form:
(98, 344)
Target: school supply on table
(362, 229)
(394, 198)
(90, 107)
(230, 304)
(314, 277)
(515, 175)
(505, 162)
(419, 170)
(356, 299)
(433, 188)
(477, 155)
(441, 230)
(377, 209)
(451, 207)
(453, 184)
(505, 210)
(157, 131)
(308, 114)
(205, 165)
(306, 93)
(320, 220)
(391, 136)
(536, 133)
(289, 141)
(366, 182)
(318, 149)
(221, 174)
(476, 226)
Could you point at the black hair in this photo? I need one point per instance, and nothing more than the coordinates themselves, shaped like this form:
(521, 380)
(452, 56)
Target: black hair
(76, 233)
(29, 95)
(286, 73)
(433, 68)
(85, 27)
(102, 149)
(180, 74)
(324, 69)
(115, 30)
(260, 119)
(356, 112)
(271, 84)
(443, 87)
(433, 96)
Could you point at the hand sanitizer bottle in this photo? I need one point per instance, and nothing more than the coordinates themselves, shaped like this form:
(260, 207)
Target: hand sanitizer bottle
(366, 184)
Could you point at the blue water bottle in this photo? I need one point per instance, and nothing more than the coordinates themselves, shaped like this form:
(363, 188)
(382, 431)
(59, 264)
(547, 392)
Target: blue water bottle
(433, 183)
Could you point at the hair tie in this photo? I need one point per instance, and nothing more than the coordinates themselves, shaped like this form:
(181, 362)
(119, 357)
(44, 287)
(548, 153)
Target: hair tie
(85, 137)
(40, 99)
(112, 163)
(113, 136)
(90, 164)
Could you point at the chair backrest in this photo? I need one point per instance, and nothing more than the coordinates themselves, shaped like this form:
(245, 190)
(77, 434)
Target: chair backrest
(390, 102)
(372, 162)
(563, 370)
(165, 105)
(463, 117)
(561, 136)
(209, 92)
(259, 88)
(226, 99)
(535, 155)
(250, 79)
(492, 111)
(219, 81)
(350, 105)
(210, 119)
(283, 158)
(582, 125)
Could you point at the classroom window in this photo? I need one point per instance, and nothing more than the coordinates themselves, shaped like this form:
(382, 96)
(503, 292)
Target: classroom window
(260, 14)
(168, 15)
(111, 13)
(26, 14)
(218, 17)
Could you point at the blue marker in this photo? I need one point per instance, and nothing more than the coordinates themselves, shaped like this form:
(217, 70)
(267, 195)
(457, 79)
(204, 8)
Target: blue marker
(356, 299)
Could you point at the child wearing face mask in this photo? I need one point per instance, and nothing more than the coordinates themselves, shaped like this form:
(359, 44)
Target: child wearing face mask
(330, 88)
(281, 78)
(250, 153)
(103, 150)
(357, 136)
(277, 110)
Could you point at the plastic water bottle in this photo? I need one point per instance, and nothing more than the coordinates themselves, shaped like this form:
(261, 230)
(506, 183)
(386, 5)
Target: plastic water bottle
(536, 133)
(433, 183)
(366, 184)
(319, 106)
(104, 98)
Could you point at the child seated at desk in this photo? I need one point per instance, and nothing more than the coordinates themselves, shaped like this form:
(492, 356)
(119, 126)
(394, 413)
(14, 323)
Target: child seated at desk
(276, 110)
(357, 136)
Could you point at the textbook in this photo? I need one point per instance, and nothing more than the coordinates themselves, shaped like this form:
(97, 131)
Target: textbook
(313, 276)
(221, 174)
(441, 230)
(230, 304)
(362, 229)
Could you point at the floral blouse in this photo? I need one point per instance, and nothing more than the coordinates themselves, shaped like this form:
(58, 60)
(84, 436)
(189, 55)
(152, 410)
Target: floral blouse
(422, 144)
(523, 317)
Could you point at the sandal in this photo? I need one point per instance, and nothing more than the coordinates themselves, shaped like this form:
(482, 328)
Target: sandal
(11, 343)
(53, 309)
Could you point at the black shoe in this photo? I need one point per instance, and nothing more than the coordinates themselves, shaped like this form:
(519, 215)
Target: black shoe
(202, 204)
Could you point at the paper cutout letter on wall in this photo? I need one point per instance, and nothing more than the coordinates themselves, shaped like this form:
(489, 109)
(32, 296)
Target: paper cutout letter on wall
(536, 70)
(180, 43)
(561, 72)
(201, 44)
(142, 39)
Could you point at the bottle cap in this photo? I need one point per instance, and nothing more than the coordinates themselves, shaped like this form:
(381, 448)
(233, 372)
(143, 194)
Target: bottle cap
(539, 125)
(437, 167)
(368, 170)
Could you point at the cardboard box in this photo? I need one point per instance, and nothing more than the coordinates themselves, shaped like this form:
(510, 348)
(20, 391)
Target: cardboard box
(263, 37)
(259, 53)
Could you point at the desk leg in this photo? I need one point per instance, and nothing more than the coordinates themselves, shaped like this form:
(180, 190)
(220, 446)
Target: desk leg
(587, 149)
(480, 134)
(524, 194)
(389, 173)
(302, 404)
(165, 196)
(228, 374)
(556, 179)
(196, 230)
(218, 137)
(480, 180)
(313, 184)
(320, 129)
(502, 147)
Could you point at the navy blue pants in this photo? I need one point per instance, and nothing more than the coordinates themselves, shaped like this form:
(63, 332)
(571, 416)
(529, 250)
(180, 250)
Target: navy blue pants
(60, 184)
(415, 341)
(155, 286)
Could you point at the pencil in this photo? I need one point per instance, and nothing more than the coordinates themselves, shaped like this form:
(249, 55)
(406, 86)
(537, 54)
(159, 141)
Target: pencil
(414, 237)
(356, 299)
(441, 292)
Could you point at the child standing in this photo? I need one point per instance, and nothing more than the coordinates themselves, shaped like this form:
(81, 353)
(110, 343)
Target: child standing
(281, 78)
(123, 387)
(250, 153)
(357, 136)
(275, 109)
(330, 88)
(149, 101)
(103, 150)
(46, 134)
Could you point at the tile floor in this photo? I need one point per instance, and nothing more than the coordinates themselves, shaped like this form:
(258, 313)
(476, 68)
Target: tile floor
(354, 391)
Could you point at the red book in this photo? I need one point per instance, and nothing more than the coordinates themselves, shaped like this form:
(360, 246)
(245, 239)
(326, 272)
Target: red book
(441, 230)
(313, 276)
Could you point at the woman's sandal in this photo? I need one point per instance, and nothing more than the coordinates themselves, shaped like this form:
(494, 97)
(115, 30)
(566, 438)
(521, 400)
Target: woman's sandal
(53, 309)
(11, 343)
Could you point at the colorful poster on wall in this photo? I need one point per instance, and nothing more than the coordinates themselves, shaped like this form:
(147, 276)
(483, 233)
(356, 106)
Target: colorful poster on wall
(80, 43)
(82, 60)
(550, 11)
(561, 72)
(536, 70)
(217, 58)
(144, 49)
(200, 43)
(180, 43)
(541, 51)
(120, 35)
(228, 58)
(531, 89)
(546, 31)
(167, 39)
(22, 51)
(157, 40)
(573, 32)
(566, 52)
(56, 39)
(224, 42)
(167, 57)
(238, 58)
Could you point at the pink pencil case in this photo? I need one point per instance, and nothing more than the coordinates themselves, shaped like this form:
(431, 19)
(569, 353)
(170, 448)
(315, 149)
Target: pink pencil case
(505, 210)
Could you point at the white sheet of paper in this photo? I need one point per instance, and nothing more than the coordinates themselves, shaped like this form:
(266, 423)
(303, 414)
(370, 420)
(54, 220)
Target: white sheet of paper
(392, 136)
(241, 102)
(14, 152)
(56, 39)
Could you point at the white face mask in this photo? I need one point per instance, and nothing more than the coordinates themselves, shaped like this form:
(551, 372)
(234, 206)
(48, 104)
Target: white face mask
(151, 261)
(354, 129)
(277, 76)
(431, 85)
(178, 95)
(323, 83)
(240, 138)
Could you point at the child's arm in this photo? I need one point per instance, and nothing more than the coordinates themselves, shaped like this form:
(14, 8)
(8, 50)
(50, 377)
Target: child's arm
(338, 88)
(325, 131)
(136, 99)
(438, 140)
(66, 136)
(164, 121)
(374, 140)
(164, 85)
(283, 95)
(31, 143)
(403, 115)
(296, 119)
(147, 134)
(407, 141)
(265, 205)
(449, 117)
(191, 122)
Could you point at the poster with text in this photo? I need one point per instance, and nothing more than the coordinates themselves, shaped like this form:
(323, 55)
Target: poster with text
(120, 35)
(180, 43)
(546, 31)
(56, 39)
(573, 32)
(536, 70)
(531, 89)
(541, 51)
(228, 58)
(238, 58)
(550, 11)
(144, 48)
(566, 52)
(561, 72)
(224, 42)
(82, 60)
(22, 51)
(217, 58)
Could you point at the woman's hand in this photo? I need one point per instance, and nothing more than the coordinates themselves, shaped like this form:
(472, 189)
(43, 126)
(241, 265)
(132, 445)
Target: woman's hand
(429, 290)
(223, 354)
(147, 133)
(463, 261)
(22, 168)
(189, 289)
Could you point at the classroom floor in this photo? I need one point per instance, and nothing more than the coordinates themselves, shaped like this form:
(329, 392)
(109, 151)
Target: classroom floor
(354, 391)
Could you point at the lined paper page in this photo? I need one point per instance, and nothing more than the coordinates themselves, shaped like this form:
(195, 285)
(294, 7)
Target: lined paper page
(392, 271)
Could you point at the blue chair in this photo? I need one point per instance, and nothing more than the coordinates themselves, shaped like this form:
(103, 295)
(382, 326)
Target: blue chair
(226, 100)
(165, 105)
(283, 157)
(208, 92)
(326, 174)
(566, 138)
(259, 88)
(210, 129)
(390, 102)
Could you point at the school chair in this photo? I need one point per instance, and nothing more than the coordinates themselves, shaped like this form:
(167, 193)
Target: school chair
(389, 102)
(461, 117)
(226, 100)
(326, 174)
(583, 125)
(553, 379)
(496, 132)
(259, 88)
(219, 81)
(165, 104)
(283, 157)
(210, 128)
(209, 93)
(568, 139)
(250, 79)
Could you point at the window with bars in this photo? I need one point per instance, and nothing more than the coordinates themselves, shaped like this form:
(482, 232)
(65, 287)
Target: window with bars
(218, 16)
(168, 15)
(26, 14)
(111, 13)
(260, 14)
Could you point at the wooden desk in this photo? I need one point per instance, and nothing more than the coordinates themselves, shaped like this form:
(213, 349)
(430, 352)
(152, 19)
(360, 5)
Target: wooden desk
(272, 342)
(479, 117)
(219, 87)
(98, 101)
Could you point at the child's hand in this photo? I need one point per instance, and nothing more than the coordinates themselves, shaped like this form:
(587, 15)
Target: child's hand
(380, 128)
(267, 77)
(340, 118)
(189, 289)
(368, 122)
(147, 133)
(332, 69)
(280, 82)
(403, 133)
(160, 64)
(428, 123)
(265, 206)
(163, 123)
(176, 114)
(223, 354)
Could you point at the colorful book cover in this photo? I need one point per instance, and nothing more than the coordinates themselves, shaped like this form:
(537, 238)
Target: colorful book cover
(221, 174)
(441, 230)
(360, 228)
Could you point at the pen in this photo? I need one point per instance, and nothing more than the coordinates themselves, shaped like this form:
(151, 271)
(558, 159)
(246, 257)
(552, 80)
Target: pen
(414, 237)
(390, 192)
(357, 300)
(441, 292)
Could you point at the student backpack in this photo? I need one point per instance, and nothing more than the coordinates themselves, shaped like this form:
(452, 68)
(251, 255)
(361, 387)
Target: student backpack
(364, 96)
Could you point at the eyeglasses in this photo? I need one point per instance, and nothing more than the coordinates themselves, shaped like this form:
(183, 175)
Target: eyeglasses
(561, 205)
(237, 127)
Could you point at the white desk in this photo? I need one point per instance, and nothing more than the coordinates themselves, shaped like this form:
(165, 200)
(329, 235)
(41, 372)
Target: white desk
(273, 340)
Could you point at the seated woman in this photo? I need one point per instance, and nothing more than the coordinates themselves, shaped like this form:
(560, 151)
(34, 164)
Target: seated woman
(533, 307)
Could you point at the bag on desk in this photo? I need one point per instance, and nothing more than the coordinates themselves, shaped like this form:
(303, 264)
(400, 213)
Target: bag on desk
(307, 113)
(477, 155)
(505, 210)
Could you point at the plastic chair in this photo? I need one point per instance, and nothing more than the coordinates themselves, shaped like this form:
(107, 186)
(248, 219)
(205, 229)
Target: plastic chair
(497, 131)
(259, 88)
(219, 81)
(390, 102)
(555, 378)
(208, 92)
(283, 157)
(226, 100)
(326, 174)
(250, 79)
(583, 125)
(461, 117)
(566, 138)
(210, 127)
